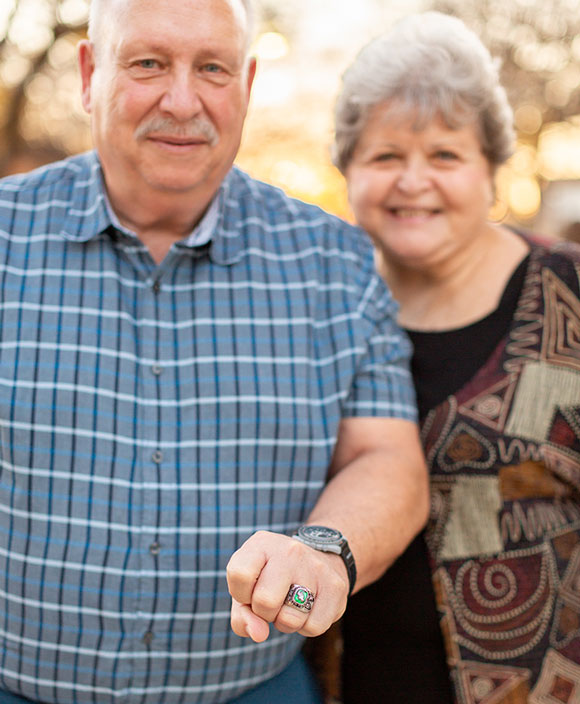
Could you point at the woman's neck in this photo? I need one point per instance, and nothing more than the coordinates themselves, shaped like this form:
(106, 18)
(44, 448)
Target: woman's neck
(460, 290)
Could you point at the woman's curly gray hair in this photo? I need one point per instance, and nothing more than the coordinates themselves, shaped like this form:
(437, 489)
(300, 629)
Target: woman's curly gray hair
(428, 64)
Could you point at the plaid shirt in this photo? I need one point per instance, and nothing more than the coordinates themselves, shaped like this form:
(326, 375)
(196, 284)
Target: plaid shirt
(153, 417)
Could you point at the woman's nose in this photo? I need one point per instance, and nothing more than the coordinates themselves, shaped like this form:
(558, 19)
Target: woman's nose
(414, 176)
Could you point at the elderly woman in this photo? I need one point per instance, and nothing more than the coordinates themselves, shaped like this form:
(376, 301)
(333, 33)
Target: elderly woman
(485, 607)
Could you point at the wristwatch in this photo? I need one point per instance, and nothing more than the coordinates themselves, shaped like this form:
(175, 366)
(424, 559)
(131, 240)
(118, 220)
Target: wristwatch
(329, 540)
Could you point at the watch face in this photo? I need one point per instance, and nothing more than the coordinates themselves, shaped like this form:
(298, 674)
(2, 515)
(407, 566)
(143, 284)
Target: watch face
(320, 534)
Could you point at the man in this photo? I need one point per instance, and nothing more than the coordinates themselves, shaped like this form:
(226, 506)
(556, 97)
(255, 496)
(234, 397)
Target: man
(186, 357)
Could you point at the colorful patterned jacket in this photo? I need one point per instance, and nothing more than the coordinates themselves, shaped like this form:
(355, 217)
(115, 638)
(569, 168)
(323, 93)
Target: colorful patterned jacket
(504, 533)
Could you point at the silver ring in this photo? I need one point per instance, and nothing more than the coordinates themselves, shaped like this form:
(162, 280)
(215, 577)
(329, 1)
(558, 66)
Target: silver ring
(299, 597)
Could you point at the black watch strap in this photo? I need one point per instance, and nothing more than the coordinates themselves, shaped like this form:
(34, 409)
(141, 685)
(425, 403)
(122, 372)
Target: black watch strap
(348, 559)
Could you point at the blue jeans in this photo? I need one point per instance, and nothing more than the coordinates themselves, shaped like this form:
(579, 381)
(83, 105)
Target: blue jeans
(294, 685)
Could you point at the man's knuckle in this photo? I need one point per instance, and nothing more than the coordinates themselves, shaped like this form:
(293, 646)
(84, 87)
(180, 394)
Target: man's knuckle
(264, 601)
(236, 573)
(313, 628)
(338, 585)
(290, 620)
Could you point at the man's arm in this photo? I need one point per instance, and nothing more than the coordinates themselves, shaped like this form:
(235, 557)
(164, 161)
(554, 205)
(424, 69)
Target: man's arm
(377, 497)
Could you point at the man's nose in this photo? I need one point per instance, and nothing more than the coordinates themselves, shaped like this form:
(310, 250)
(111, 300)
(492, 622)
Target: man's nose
(181, 97)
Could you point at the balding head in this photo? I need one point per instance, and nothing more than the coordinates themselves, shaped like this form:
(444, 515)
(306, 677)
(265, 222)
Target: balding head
(99, 9)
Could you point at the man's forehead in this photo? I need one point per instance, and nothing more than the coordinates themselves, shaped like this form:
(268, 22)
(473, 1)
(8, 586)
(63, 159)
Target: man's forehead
(239, 7)
(112, 19)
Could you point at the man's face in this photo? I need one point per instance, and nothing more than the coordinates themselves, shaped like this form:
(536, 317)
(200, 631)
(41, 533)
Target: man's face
(167, 85)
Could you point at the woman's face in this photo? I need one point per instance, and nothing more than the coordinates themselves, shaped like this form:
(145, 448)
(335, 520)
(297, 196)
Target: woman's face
(422, 195)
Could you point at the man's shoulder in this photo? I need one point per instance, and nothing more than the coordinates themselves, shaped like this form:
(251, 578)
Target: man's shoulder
(273, 198)
(270, 207)
(59, 177)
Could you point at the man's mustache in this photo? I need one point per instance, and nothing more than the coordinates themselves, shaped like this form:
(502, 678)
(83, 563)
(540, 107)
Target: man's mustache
(193, 129)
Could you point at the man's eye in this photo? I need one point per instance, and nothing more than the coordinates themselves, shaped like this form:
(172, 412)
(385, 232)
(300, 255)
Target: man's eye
(148, 63)
(212, 68)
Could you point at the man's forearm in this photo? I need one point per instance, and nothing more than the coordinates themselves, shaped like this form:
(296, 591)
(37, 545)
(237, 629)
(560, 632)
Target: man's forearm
(377, 497)
(379, 501)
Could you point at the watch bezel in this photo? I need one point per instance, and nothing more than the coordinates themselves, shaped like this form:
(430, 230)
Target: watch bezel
(321, 535)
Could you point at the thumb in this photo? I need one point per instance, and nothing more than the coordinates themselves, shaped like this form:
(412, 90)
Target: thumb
(245, 623)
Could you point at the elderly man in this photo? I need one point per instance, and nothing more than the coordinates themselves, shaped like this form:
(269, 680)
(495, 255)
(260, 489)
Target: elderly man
(194, 367)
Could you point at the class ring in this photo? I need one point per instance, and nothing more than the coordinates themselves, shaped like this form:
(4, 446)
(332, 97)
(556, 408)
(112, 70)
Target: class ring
(300, 598)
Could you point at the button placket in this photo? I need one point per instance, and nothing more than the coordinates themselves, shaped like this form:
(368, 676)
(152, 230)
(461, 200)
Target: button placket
(148, 638)
(155, 548)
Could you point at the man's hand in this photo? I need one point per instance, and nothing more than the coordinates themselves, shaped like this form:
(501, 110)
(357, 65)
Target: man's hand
(377, 497)
(262, 571)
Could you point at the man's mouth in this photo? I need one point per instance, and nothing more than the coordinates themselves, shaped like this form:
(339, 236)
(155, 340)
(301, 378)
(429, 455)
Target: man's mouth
(177, 141)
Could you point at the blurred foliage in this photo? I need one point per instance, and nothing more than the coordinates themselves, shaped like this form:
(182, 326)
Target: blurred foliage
(539, 47)
(40, 114)
(537, 41)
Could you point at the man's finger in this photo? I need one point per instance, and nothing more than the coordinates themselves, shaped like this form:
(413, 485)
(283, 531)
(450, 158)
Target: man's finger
(244, 569)
(246, 624)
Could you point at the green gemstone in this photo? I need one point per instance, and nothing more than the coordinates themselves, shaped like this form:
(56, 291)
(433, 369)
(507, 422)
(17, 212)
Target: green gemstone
(300, 597)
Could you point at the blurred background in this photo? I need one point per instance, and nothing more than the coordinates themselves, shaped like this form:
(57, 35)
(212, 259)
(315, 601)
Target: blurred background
(303, 46)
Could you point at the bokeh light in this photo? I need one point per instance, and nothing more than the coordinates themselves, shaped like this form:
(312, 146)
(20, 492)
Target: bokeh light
(302, 48)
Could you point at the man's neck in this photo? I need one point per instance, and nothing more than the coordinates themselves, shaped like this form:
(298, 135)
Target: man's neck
(161, 219)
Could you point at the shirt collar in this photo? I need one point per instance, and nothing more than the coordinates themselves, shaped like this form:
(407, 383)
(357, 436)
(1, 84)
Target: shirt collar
(87, 215)
(201, 234)
(91, 213)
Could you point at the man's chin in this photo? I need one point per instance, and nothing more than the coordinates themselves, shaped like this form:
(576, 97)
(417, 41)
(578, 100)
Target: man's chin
(176, 183)
(186, 178)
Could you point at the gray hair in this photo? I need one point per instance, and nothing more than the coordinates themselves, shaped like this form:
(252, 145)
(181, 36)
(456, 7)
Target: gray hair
(98, 7)
(428, 64)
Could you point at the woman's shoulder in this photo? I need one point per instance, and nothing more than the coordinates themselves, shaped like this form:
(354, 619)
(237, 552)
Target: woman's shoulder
(560, 257)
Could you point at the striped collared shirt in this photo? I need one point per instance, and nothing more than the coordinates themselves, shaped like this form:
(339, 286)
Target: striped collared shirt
(153, 417)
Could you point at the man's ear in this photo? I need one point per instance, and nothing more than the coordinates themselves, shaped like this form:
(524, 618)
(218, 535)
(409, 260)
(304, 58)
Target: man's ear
(251, 74)
(86, 54)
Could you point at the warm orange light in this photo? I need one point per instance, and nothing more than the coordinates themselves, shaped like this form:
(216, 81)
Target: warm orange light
(525, 196)
(270, 46)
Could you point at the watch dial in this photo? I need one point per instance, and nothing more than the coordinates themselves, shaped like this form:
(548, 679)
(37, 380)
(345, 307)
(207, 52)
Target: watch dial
(320, 533)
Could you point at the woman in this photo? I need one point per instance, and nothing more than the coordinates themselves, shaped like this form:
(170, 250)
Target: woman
(421, 126)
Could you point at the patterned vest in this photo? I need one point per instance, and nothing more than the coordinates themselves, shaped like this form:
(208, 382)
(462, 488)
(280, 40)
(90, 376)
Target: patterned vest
(504, 532)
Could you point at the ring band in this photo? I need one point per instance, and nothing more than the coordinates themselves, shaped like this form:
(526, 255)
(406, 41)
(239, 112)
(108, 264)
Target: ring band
(299, 597)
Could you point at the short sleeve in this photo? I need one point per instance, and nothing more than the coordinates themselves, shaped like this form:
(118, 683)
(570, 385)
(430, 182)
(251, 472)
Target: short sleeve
(383, 384)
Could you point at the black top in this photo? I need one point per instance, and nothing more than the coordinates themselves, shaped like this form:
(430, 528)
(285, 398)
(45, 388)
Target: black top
(443, 362)
(393, 645)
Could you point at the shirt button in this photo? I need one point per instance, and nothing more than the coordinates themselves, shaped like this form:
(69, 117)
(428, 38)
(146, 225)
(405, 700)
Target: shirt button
(157, 457)
(156, 287)
(155, 548)
(156, 369)
(148, 638)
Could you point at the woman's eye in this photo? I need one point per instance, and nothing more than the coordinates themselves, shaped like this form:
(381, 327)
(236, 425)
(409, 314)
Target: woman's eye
(446, 155)
(385, 156)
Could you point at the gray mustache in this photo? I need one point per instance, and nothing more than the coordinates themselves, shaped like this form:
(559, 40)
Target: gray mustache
(192, 129)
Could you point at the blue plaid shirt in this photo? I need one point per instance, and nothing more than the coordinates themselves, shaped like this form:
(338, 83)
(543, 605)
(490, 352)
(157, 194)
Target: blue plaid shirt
(153, 417)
